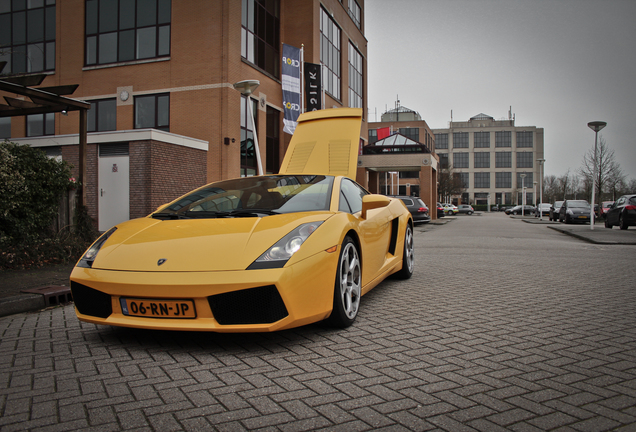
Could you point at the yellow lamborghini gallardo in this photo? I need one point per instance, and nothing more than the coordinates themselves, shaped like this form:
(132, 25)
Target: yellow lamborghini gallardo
(257, 253)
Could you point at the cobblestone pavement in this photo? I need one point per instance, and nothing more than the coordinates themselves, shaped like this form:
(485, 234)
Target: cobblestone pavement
(504, 326)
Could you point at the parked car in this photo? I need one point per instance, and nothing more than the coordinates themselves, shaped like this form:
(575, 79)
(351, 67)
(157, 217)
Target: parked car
(516, 210)
(543, 209)
(440, 210)
(416, 206)
(554, 210)
(465, 209)
(505, 207)
(253, 254)
(605, 206)
(622, 213)
(450, 209)
(574, 211)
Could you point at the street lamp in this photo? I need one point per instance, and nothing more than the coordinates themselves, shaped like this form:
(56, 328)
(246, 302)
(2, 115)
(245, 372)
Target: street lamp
(595, 126)
(246, 88)
(523, 194)
(541, 161)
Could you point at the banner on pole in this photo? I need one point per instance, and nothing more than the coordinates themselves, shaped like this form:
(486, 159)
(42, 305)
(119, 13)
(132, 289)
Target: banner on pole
(313, 86)
(291, 87)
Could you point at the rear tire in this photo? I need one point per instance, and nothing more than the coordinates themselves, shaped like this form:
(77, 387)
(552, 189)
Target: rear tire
(347, 290)
(408, 257)
(607, 224)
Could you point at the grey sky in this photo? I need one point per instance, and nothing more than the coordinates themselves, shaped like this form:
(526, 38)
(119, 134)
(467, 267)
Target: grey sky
(559, 63)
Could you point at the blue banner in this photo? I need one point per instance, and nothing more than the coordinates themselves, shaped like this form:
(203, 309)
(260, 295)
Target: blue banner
(291, 87)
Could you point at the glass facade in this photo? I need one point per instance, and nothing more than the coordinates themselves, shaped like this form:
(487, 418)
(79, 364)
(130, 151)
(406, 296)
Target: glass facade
(525, 159)
(126, 30)
(503, 180)
(330, 54)
(460, 160)
(460, 139)
(482, 180)
(355, 77)
(524, 139)
(503, 139)
(482, 139)
(503, 159)
(482, 160)
(260, 34)
(27, 36)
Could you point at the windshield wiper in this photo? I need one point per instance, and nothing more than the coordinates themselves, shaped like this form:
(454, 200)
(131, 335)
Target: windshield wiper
(167, 216)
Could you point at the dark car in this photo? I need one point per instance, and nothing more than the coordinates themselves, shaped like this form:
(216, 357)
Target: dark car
(622, 213)
(465, 209)
(528, 210)
(575, 211)
(554, 210)
(416, 206)
(440, 210)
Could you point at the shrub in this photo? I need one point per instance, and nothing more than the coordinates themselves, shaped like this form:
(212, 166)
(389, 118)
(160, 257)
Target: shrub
(31, 185)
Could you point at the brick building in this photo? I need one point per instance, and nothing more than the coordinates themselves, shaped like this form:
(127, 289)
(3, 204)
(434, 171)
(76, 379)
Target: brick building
(159, 75)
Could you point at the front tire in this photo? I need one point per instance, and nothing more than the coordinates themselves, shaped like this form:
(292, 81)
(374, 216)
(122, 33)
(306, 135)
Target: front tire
(348, 286)
(408, 256)
(622, 223)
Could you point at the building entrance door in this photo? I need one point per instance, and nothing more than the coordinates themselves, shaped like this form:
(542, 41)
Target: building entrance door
(113, 190)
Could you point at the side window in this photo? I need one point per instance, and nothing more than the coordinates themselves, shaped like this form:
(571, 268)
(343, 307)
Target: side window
(353, 194)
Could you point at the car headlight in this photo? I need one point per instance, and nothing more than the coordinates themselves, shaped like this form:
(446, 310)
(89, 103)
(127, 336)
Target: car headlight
(278, 255)
(570, 212)
(89, 256)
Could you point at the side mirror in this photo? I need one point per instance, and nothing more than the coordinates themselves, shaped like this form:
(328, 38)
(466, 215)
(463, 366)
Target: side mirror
(373, 201)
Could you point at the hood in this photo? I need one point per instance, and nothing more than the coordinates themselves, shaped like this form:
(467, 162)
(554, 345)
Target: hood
(195, 244)
(325, 142)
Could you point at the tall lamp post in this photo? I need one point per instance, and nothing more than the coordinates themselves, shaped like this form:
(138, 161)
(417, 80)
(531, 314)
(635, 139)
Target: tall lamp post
(541, 161)
(246, 88)
(595, 126)
(523, 193)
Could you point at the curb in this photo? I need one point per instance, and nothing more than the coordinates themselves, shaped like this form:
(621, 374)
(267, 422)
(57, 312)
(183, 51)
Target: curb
(589, 239)
(21, 303)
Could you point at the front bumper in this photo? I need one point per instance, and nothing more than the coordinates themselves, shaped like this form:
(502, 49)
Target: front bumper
(226, 301)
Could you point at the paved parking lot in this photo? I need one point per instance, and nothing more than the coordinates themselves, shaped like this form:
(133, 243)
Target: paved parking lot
(505, 326)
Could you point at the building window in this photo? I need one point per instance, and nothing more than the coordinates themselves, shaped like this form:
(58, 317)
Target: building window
(260, 34)
(153, 111)
(441, 141)
(409, 174)
(482, 139)
(524, 139)
(482, 160)
(482, 180)
(354, 12)
(526, 182)
(412, 133)
(503, 180)
(460, 140)
(503, 139)
(27, 36)
(503, 159)
(524, 159)
(102, 116)
(460, 160)
(355, 77)
(330, 54)
(5, 128)
(443, 160)
(40, 124)
(126, 30)
(373, 136)
(464, 179)
(248, 153)
(272, 138)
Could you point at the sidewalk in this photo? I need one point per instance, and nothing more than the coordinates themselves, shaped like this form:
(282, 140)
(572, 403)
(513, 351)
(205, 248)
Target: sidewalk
(13, 282)
(599, 235)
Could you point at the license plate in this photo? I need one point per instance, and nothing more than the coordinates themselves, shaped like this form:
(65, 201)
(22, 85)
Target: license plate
(583, 217)
(153, 308)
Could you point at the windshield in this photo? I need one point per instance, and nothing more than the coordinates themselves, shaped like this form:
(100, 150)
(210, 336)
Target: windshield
(578, 204)
(253, 197)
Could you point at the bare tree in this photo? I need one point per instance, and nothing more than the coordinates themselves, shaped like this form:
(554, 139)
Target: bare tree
(608, 171)
(564, 185)
(450, 183)
(550, 188)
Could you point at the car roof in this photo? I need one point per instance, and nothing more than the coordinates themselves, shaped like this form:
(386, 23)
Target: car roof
(325, 142)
